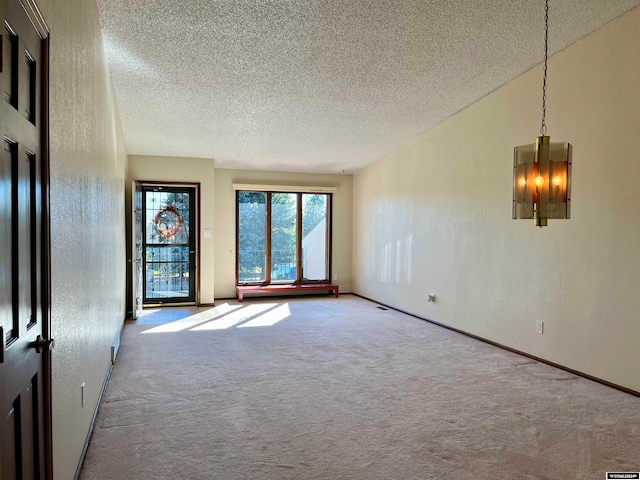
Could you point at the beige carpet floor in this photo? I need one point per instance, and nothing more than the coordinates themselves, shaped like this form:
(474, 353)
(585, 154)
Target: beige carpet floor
(325, 388)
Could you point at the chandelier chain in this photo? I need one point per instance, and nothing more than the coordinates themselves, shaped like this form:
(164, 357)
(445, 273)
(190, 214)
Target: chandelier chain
(543, 128)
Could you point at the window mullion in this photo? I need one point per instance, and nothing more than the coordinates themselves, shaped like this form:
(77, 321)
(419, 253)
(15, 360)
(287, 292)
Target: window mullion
(299, 272)
(267, 277)
(328, 238)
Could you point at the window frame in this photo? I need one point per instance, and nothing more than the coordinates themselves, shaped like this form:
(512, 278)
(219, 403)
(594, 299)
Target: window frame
(268, 233)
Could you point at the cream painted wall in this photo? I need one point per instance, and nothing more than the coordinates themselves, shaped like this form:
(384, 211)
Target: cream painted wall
(225, 219)
(195, 170)
(435, 216)
(88, 163)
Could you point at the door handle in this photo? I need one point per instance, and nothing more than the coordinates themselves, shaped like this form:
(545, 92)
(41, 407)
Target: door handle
(2, 342)
(43, 345)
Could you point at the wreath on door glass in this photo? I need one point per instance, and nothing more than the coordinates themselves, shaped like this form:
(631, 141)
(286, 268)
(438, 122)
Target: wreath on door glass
(168, 221)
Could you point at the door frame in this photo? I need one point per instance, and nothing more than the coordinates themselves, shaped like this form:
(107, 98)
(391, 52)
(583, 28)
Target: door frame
(39, 23)
(132, 233)
(195, 231)
(46, 255)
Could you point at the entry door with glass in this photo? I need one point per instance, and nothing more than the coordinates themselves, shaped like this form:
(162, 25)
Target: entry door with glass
(169, 250)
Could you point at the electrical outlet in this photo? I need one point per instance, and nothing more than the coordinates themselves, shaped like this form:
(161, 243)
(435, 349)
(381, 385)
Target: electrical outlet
(334, 277)
(539, 326)
(431, 299)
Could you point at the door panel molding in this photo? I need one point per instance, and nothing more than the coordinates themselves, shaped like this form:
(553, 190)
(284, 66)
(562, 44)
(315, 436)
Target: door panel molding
(36, 18)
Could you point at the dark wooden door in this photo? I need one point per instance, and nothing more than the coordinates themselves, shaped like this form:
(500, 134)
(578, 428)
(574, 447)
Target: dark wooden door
(24, 380)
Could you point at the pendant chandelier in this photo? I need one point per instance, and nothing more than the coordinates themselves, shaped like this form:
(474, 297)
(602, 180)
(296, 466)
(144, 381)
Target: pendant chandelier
(542, 171)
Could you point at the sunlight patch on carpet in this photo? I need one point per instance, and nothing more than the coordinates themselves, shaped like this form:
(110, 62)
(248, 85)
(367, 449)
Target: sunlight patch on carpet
(194, 320)
(270, 318)
(234, 318)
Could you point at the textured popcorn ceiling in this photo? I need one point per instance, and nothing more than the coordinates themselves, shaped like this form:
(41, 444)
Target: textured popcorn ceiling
(319, 86)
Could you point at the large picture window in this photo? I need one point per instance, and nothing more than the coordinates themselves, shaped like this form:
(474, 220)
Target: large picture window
(283, 237)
